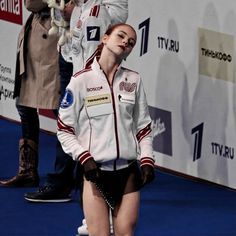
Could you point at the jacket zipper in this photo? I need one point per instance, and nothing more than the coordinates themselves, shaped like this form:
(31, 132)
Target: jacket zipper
(115, 119)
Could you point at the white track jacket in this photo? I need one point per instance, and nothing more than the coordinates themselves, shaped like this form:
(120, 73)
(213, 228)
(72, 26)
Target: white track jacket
(109, 123)
(95, 20)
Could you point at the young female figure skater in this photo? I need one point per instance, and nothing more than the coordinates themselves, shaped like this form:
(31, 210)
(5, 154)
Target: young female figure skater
(104, 124)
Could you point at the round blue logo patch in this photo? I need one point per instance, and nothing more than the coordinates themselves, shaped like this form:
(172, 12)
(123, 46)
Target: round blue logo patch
(67, 100)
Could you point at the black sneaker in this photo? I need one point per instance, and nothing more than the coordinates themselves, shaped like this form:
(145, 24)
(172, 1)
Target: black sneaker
(48, 194)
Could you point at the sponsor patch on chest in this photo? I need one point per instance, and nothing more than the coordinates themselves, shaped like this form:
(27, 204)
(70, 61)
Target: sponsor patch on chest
(97, 100)
(126, 98)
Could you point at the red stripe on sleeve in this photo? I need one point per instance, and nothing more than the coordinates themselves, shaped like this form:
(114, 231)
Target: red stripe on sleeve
(147, 161)
(144, 132)
(84, 157)
(63, 127)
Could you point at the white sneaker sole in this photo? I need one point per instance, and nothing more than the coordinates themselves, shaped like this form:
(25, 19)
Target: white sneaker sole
(47, 200)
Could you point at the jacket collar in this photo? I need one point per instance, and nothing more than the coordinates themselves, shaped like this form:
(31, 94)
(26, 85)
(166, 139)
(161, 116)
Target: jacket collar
(96, 67)
(90, 3)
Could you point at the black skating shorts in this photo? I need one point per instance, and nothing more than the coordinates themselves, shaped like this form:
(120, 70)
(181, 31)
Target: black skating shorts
(117, 183)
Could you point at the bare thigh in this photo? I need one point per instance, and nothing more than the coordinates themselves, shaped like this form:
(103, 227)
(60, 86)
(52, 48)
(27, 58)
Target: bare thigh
(95, 210)
(126, 215)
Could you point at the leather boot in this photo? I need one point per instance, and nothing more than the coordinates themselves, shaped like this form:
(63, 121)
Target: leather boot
(28, 166)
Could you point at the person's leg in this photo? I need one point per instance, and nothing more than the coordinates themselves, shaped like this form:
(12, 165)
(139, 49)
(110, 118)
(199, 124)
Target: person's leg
(64, 165)
(29, 123)
(126, 214)
(66, 72)
(59, 184)
(63, 175)
(95, 210)
(28, 150)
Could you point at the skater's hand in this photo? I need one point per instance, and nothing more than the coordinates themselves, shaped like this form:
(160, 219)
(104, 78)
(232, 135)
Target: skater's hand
(91, 170)
(147, 174)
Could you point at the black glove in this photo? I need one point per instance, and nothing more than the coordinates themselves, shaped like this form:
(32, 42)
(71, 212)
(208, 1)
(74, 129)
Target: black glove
(91, 171)
(147, 174)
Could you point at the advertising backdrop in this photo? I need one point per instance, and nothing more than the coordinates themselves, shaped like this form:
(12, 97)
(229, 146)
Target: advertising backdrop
(185, 54)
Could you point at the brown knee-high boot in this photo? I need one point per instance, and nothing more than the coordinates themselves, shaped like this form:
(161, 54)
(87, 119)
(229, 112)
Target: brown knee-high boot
(28, 166)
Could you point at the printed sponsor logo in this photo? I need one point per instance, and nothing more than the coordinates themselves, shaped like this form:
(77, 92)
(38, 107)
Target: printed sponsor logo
(5, 93)
(93, 33)
(94, 89)
(168, 44)
(11, 11)
(67, 99)
(162, 130)
(222, 151)
(128, 87)
(216, 54)
(144, 27)
(126, 98)
(162, 42)
(217, 149)
(97, 100)
(198, 134)
(6, 74)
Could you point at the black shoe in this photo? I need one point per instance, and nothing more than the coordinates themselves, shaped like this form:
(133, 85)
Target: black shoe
(49, 194)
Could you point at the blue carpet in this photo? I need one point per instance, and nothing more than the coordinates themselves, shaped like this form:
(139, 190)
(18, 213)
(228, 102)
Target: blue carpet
(171, 206)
